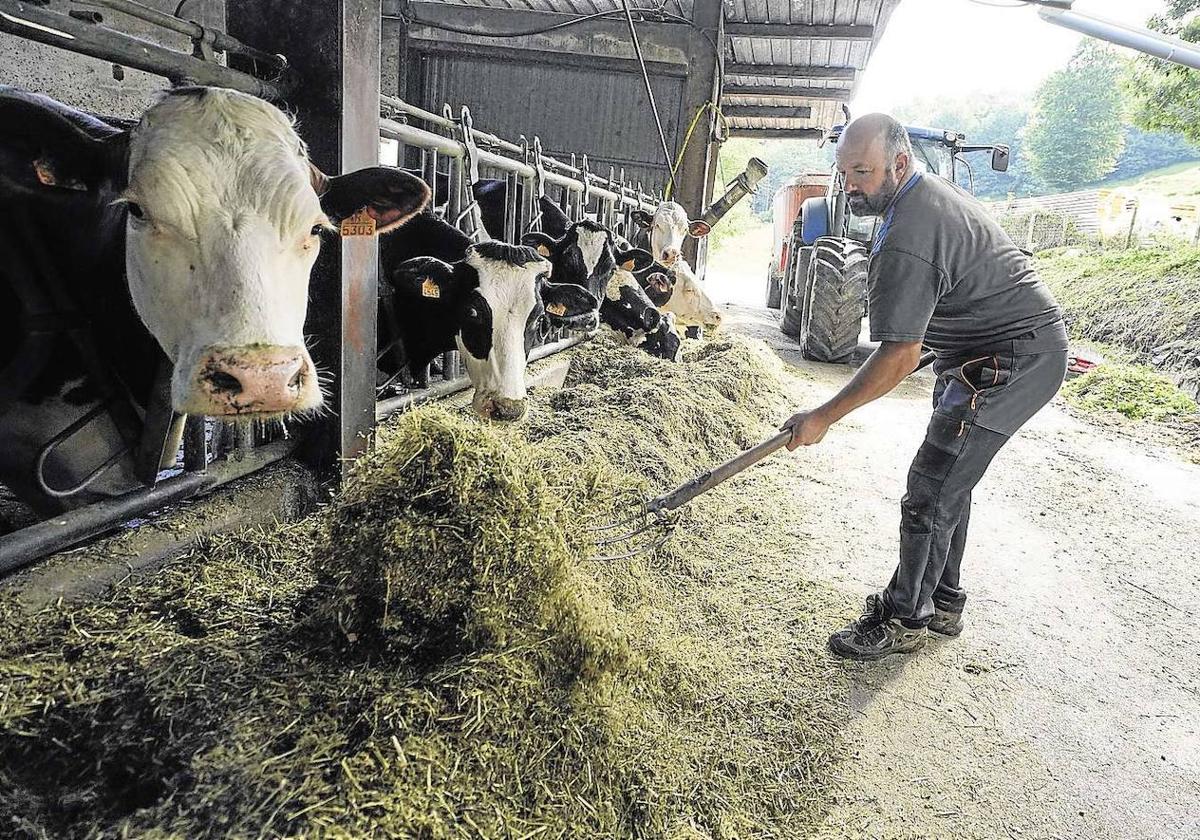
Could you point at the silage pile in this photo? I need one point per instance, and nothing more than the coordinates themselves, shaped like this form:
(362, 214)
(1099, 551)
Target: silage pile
(437, 655)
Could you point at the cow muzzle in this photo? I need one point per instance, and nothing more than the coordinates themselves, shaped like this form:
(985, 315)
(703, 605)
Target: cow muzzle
(255, 380)
(500, 409)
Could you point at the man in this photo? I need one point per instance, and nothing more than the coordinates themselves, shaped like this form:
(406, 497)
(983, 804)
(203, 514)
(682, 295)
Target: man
(942, 272)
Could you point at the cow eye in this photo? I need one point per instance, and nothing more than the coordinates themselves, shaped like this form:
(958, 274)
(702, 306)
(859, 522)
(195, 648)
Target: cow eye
(472, 313)
(135, 210)
(316, 230)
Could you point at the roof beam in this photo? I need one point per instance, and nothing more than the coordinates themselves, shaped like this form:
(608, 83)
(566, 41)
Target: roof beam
(768, 111)
(784, 71)
(814, 32)
(778, 133)
(788, 92)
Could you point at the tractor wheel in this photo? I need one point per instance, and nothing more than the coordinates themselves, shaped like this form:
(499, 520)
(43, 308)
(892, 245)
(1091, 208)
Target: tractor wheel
(836, 285)
(774, 287)
(793, 290)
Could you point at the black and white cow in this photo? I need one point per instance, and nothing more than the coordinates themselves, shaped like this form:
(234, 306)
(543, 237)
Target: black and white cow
(491, 301)
(666, 230)
(194, 232)
(627, 311)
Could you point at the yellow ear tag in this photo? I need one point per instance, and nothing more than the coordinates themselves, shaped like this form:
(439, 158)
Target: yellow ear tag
(557, 309)
(543, 250)
(360, 224)
(430, 289)
(627, 265)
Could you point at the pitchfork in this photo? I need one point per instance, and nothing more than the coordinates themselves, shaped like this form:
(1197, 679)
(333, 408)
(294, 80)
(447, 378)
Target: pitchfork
(654, 515)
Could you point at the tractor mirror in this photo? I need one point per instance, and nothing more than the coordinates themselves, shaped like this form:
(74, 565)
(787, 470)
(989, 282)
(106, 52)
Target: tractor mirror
(1000, 158)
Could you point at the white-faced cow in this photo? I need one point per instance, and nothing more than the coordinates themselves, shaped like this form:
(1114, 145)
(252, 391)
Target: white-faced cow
(195, 231)
(492, 302)
(666, 230)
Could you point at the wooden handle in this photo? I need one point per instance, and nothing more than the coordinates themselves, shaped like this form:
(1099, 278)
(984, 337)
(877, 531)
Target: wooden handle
(704, 482)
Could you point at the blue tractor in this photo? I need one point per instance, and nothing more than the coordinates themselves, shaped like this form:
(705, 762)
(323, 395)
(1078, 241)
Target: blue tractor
(823, 291)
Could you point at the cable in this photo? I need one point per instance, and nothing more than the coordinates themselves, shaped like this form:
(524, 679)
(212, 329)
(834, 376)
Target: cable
(637, 49)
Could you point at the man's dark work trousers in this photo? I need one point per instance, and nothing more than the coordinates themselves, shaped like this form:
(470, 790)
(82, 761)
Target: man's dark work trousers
(978, 404)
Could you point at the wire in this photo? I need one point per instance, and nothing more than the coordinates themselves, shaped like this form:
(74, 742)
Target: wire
(179, 7)
(637, 49)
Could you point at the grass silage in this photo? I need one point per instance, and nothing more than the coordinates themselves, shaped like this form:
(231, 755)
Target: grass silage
(438, 654)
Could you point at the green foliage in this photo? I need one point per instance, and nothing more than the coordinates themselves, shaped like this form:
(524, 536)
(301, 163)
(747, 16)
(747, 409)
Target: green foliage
(745, 215)
(784, 159)
(1075, 131)
(1135, 391)
(1166, 96)
(1146, 151)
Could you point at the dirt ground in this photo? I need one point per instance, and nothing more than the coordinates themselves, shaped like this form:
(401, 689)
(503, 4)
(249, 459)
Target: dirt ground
(1069, 707)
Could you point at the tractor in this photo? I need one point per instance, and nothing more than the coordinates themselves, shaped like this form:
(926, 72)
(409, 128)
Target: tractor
(823, 287)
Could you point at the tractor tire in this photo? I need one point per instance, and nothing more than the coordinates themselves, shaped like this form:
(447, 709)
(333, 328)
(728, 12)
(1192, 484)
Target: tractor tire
(793, 291)
(835, 287)
(774, 287)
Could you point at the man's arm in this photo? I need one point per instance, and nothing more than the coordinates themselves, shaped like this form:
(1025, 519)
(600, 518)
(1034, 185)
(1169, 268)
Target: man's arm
(887, 368)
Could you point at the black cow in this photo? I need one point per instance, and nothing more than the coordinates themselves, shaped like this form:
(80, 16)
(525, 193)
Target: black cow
(194, 233)
(491, 301)
(629, 312)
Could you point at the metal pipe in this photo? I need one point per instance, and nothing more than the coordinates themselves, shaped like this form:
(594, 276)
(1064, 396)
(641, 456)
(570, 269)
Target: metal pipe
(219, 40)
(22, 547)
(58, 30)
(1126, 35)
(388, 407)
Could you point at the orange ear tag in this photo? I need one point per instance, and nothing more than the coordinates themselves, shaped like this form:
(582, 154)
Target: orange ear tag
(360, 224)
(430, 289)
(557, 309)
(627, 265)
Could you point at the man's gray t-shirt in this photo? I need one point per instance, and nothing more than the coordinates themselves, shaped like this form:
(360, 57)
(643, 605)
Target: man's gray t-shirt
(944, 272)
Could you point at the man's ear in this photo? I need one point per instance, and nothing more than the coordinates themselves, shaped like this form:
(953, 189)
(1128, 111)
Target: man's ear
(426, 280)
(543, 243)
(698, 228)
(564, 301)
(634, 259)
(388, 195)
(42, 149)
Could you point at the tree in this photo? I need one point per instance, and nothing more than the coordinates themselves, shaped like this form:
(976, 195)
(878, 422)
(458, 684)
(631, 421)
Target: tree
(1075, 132)
(1166, 96)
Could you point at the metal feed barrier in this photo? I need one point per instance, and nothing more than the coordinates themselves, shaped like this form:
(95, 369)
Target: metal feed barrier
(209, 453)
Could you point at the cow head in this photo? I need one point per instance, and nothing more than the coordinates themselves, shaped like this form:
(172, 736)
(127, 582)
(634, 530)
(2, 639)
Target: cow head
(225, 217)
(691, 306)
(585, 256)
(658, 282)
(629, 312)
(668, 227)
(492, 305)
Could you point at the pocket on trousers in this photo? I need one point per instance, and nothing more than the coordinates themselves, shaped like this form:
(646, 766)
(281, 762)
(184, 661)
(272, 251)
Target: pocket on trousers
(944, 440)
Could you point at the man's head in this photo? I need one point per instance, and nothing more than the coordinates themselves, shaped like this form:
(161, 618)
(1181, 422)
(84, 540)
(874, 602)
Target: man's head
(874, 155)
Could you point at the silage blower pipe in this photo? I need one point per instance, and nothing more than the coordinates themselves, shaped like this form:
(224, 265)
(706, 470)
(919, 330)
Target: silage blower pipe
(741, 187)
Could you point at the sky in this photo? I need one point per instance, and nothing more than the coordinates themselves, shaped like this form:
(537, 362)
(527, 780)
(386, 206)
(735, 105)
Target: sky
(956, 47)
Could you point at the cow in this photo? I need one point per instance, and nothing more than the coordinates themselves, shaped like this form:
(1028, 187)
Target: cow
(666, 229)
(491, 301)
(189, 238)
(692, 307)
(628, 312)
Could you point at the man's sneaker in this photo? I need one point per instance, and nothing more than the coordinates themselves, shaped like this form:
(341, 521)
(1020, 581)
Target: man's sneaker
(945, 622)
(874, 635)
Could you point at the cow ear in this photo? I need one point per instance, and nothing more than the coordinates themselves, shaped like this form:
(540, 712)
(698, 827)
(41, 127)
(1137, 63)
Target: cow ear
(564, 301)
(540, 242)
(390, 196)
(635, 259)
(641, 218)
(42, 149)
(698, 228)
(554, 220)
(426, 279)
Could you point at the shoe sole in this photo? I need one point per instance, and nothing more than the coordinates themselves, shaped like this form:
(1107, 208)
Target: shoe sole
(949, 632)
(859, 656)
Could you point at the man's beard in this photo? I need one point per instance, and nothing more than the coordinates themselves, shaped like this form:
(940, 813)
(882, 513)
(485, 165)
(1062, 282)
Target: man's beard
(862, 204)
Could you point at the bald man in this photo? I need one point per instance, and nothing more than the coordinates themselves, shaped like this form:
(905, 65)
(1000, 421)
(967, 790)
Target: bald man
(942, 272)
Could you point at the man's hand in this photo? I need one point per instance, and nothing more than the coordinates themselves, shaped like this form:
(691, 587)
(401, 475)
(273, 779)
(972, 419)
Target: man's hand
(807, 428)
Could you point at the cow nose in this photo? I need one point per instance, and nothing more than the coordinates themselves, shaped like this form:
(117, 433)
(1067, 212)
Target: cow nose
(504, 410)
(250, 380)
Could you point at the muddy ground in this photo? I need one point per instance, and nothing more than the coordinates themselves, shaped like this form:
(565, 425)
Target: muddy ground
(1069, 707)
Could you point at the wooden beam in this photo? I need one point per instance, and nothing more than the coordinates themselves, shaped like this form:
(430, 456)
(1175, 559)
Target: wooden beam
(694, 180)
(778, 133)
(796, 31)
(783, 71)
(769, 111)
(789, 92)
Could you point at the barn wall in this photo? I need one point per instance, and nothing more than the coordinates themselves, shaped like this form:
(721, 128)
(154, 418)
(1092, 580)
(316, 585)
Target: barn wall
(88, 83)
(577, 104)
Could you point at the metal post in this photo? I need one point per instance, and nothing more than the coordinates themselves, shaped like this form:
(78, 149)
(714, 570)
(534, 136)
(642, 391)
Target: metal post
(334, 46)
(1132, 225)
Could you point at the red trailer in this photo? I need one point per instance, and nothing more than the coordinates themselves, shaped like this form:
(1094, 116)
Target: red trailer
(785, 212)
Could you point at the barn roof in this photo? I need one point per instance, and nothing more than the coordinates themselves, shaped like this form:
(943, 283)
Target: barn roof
(789, 64)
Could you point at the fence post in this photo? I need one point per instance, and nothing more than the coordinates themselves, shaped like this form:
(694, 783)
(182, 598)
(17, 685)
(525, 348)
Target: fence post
(1196, 238)
(1029, 233)
(1063, 239)
(1132, 225)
